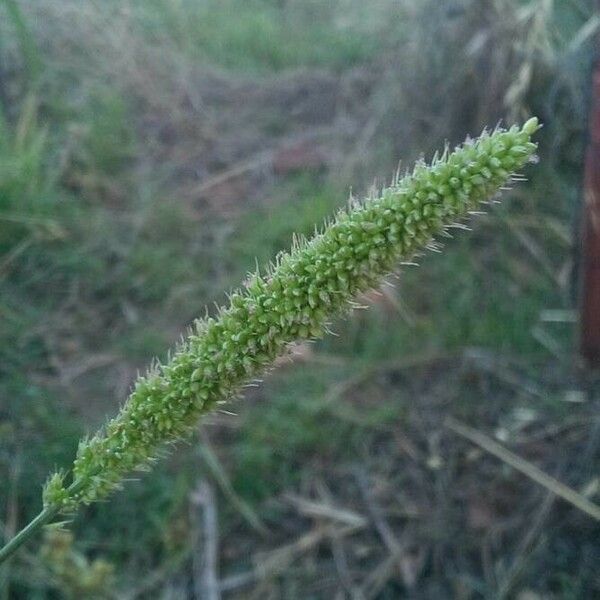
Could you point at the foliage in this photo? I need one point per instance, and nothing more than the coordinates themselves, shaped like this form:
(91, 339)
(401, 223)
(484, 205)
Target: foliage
(294, 301)
(122, 258)
(76, 577)
(256, 35)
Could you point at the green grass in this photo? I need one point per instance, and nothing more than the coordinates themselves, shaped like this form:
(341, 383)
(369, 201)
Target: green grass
(293, 425)
(27, 202)
(108, 144)
(257, 35)
(30, 54)
(98, 256)
(299, 205)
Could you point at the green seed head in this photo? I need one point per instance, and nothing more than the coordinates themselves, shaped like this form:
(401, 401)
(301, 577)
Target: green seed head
(293, 300)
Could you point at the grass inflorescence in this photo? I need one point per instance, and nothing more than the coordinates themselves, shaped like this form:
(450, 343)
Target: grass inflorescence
(294, 300)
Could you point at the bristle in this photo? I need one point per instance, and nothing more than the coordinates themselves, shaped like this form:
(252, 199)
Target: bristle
(295, 300)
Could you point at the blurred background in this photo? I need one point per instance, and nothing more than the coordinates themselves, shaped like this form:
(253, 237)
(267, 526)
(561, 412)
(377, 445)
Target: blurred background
(151, 151)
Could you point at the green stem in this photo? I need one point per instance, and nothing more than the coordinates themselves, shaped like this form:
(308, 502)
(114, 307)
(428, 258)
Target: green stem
(42, 519)
(36, 524)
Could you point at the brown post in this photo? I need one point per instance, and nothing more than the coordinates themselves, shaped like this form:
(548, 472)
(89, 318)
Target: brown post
(590, 292)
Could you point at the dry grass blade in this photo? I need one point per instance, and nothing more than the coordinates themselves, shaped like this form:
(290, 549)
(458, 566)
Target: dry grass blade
(326, 511)
(383, 529)
(218, 472)
(338, 551)
(205, 559)
(400, 560)
(275, 561)
(520, 464)
(527, 548)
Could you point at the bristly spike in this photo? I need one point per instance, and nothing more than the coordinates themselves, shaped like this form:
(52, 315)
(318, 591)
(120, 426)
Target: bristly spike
(301, 292)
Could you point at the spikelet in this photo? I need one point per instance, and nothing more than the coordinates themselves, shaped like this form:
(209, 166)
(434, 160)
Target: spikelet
(293, 301)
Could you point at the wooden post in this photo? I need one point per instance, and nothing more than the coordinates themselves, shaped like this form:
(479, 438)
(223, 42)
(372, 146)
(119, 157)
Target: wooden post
(590, 291)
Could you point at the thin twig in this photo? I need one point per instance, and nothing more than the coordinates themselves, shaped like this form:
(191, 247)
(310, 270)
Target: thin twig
(527, 546)
(325, 510)
(205, 561)
(157, 576)
(525, 467)
(408, 565)
(376, 514)
(380, 576)
(234, 582)
(276, 561)
(220, 475)
(338, 551)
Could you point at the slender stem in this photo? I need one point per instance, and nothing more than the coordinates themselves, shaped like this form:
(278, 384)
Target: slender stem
(27, 531)
(34, 526)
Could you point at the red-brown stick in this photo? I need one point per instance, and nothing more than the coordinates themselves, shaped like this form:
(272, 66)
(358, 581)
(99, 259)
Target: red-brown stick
(590, 297)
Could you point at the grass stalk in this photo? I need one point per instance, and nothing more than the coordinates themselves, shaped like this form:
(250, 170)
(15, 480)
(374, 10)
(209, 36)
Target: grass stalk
(294, 300)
